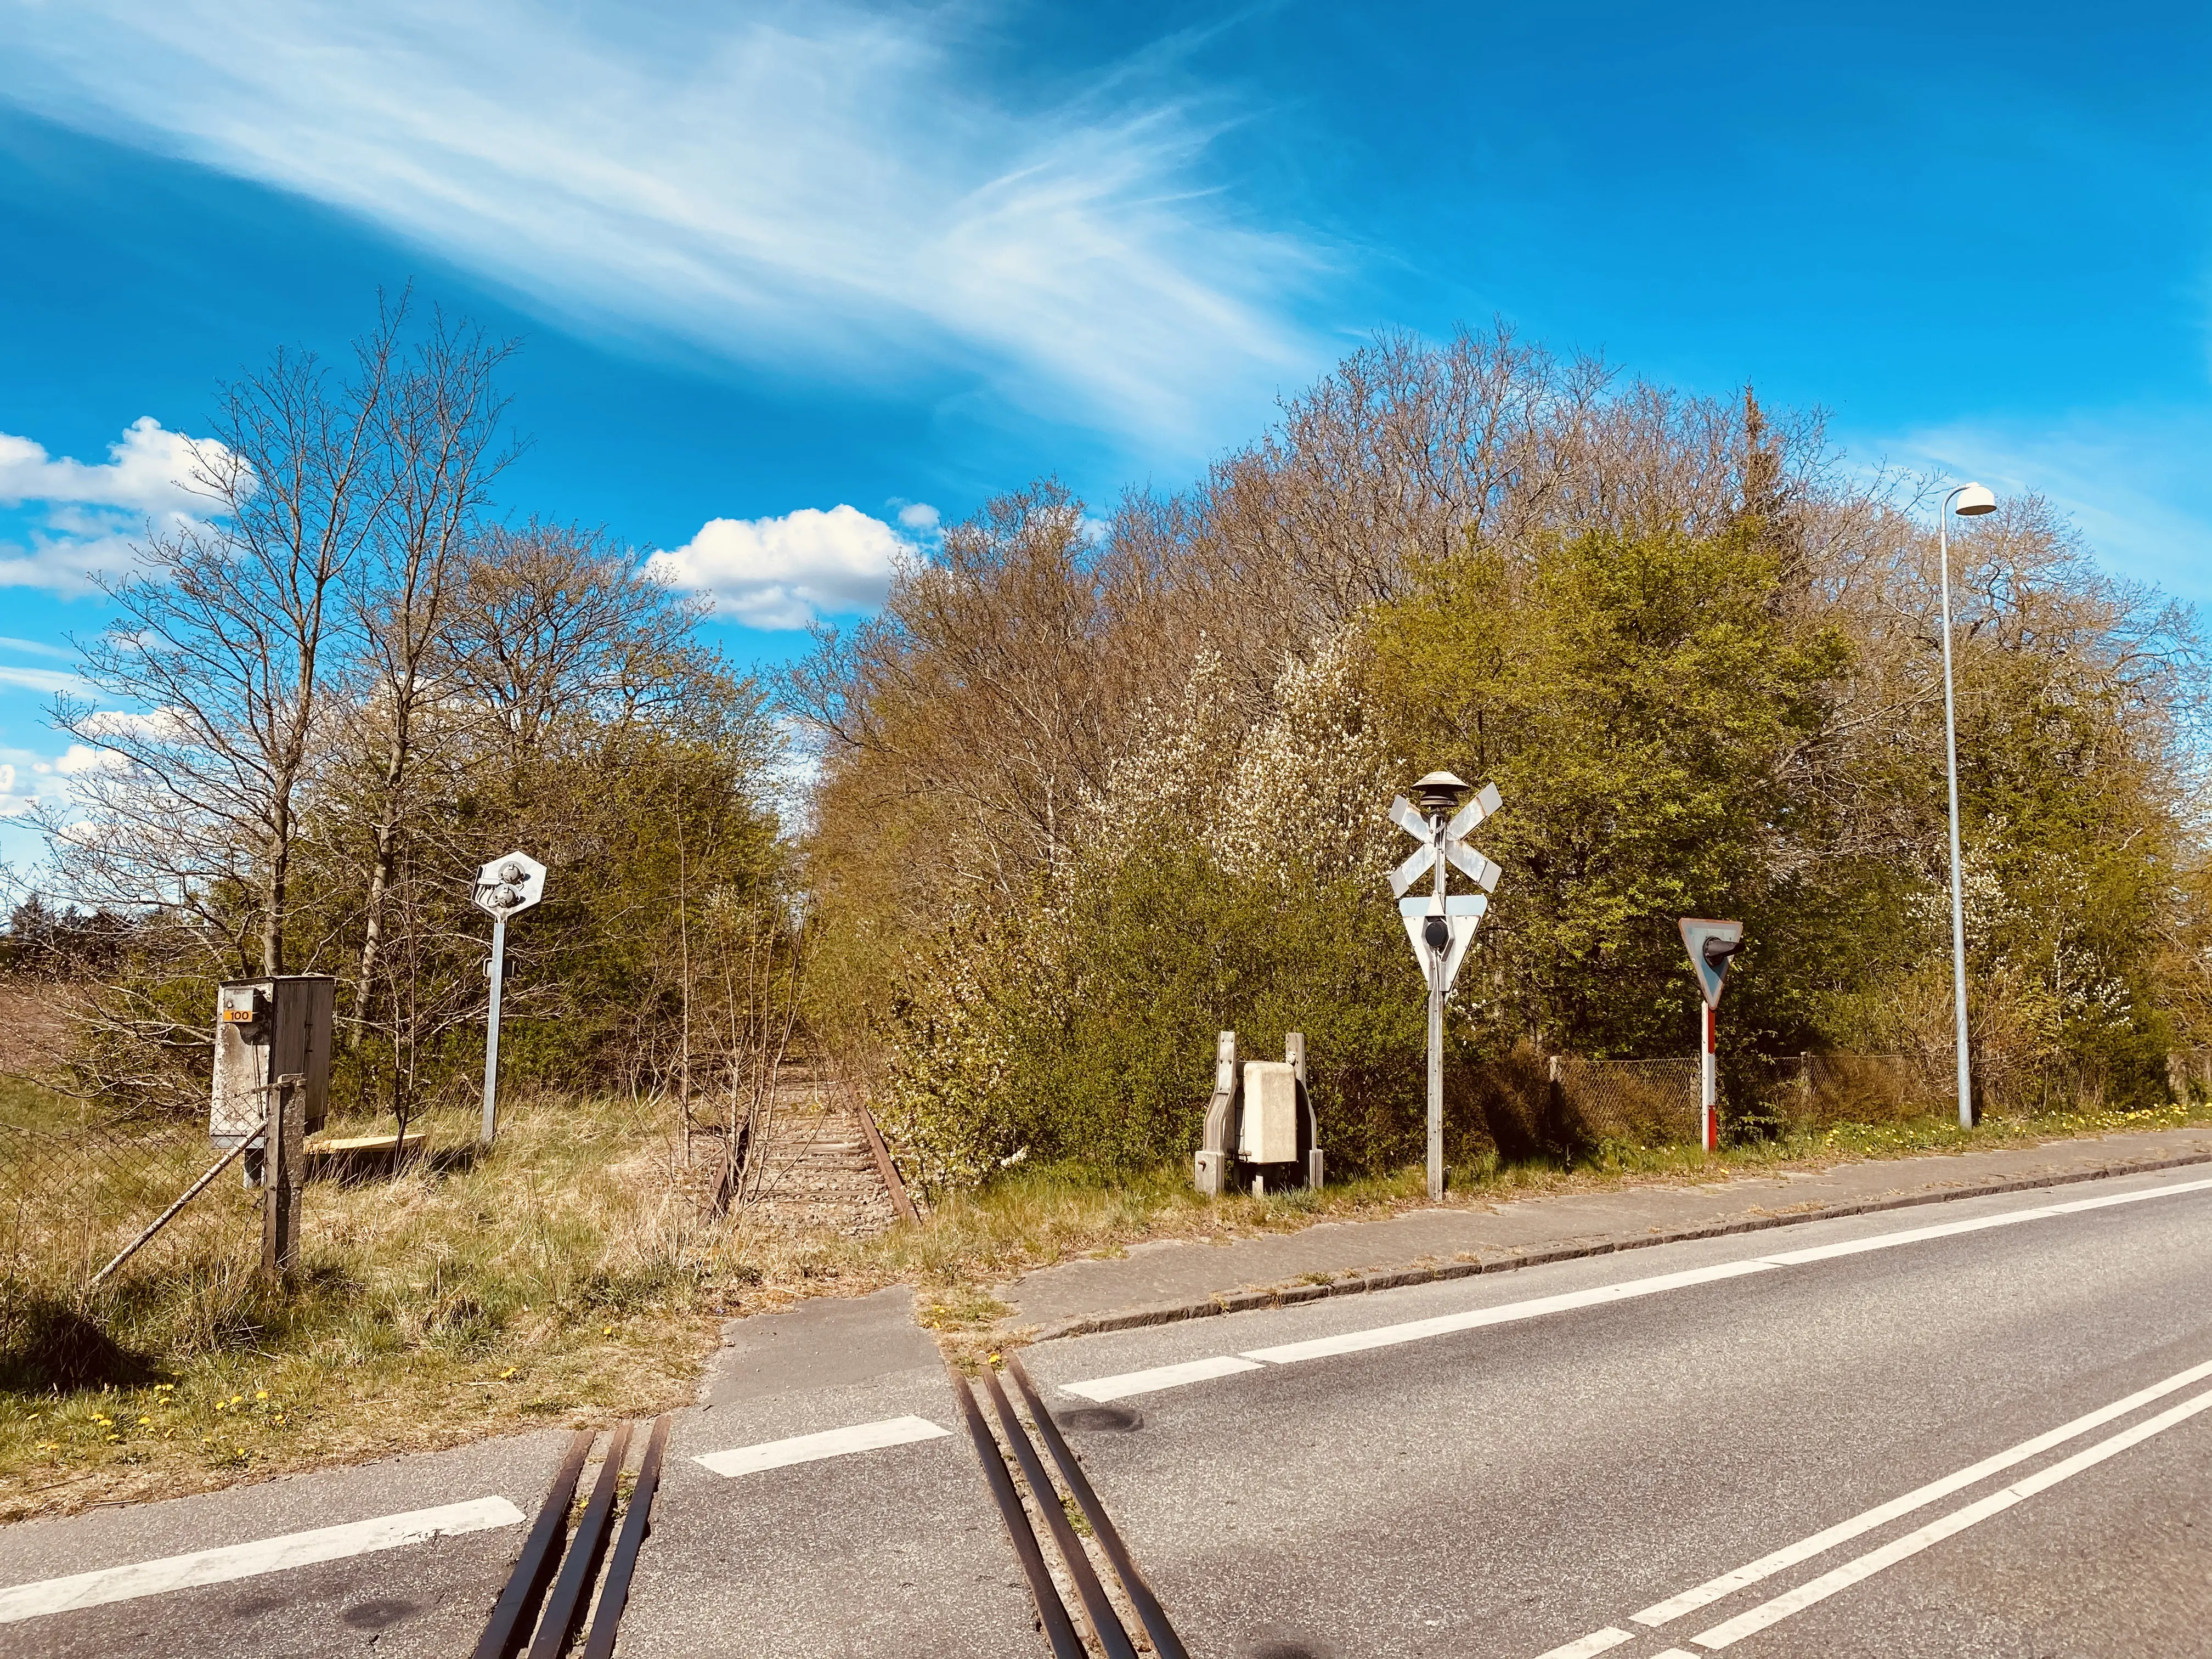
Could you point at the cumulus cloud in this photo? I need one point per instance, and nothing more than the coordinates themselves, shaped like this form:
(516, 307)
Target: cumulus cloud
(80, 758)
(70, 566)
(148, 469)
(29, 779)
(95, 510)
(784, 573)
(823, 185)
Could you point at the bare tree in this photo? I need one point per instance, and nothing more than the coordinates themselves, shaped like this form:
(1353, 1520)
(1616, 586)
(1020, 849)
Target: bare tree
(441, 447)
(556, 622)
(218, 657)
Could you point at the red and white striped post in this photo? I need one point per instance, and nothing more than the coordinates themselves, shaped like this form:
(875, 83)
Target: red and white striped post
(1709, 1129)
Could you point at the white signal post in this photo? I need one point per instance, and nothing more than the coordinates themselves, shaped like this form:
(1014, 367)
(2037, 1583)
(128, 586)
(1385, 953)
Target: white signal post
(505, 887)
(1712, 944)
(1442, 925)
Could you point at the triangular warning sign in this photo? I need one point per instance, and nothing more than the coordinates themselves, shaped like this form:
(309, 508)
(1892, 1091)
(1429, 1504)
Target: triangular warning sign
(1460, 913)
(1712, 943)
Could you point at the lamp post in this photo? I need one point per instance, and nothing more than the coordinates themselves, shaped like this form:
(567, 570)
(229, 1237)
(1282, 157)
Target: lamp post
(1973, 502)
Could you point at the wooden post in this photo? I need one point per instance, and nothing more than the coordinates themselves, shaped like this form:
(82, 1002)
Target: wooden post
(283, 1165)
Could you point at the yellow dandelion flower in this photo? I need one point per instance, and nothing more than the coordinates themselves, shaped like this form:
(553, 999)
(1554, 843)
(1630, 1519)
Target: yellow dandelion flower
(143, 1421)
(261, 1394)
(607, 1330)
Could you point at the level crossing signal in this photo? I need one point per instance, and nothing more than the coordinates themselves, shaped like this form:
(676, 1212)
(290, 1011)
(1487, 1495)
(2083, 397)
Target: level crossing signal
(1442, 925)
(505, 888)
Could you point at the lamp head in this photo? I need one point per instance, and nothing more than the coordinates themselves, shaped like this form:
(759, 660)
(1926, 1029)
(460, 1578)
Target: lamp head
(1440, 792)
(1974, 501)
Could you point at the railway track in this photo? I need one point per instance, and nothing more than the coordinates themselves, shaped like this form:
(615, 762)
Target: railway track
(572, 1579)
(1120, 1625)
(562, 1577)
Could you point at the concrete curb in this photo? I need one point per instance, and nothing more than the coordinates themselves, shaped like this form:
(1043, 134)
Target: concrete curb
(1170, 1313)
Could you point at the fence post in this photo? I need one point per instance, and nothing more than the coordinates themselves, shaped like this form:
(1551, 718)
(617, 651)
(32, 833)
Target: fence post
(282, 1169)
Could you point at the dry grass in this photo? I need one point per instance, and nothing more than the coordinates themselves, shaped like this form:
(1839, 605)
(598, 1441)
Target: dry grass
(568, 1280)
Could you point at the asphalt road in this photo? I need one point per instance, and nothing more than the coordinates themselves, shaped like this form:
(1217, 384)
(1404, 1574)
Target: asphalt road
(1509, 1488)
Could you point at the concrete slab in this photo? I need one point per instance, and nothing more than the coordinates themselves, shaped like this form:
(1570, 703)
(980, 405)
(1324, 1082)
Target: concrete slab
(825, 1343)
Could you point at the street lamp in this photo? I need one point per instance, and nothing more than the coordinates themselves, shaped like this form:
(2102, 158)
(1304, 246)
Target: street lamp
(1973, 502)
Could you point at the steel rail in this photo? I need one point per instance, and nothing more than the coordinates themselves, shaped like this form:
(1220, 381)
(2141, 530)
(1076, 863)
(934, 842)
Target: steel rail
(1104, 1620)
(541, 1553)
(572, 1587)
(1165, 1641)
(1052, 1613)
(614, 1595)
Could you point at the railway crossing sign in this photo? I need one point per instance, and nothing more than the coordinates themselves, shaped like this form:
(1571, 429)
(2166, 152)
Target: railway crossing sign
(1441, 925)
(505, 888)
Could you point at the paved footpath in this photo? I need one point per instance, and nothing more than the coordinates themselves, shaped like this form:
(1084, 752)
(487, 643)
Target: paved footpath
(1179, 1279)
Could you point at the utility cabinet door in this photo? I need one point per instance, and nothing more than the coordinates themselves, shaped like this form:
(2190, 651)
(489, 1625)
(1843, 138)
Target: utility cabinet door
(1270, 1129)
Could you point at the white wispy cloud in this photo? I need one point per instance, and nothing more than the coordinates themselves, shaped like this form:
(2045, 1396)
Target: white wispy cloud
(40, 679)
(785, 572)
(2132, 481)
(821, 185)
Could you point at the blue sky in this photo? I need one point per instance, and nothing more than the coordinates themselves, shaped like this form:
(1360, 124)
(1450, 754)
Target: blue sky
(776, 261)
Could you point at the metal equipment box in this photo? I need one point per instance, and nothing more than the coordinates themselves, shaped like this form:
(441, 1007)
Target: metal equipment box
(266, 1028)
(1269, 1132)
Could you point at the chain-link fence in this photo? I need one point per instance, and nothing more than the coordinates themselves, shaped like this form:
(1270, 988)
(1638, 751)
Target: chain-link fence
(81, 1183)
(1639, 1102)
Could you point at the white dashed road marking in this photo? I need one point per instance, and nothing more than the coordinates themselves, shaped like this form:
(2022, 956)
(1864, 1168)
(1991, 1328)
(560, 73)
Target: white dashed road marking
(1160, 1376)
(812, 1448)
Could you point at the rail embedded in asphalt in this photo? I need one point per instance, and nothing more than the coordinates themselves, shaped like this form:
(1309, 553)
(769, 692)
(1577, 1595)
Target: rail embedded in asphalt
(1095, 1600)
(551, 1586)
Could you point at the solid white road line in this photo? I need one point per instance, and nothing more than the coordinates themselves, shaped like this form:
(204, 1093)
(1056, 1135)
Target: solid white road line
(1596, 1642)
(1122, 1386)
(1806, 1548)
(221, 1566)
(1865, 1566)
(1418, 1329)
(812, 1447)
(1383, 1336)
